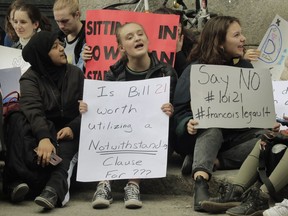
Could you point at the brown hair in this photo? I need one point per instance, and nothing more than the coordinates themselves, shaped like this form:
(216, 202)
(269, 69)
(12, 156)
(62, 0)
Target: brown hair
(208, 49)
(35, 15)
(9, 29)
(119, 28)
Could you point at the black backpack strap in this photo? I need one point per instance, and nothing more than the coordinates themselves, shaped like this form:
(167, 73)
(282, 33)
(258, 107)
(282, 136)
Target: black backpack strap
(263, 175)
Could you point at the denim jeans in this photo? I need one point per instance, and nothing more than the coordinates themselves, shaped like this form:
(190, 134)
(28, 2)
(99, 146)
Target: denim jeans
(230, 146)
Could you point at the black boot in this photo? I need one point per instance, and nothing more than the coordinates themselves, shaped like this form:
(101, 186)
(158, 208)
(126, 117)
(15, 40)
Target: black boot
(254, 204)
(230, 196)
(18, 191)
(201, 192)
(48, 198)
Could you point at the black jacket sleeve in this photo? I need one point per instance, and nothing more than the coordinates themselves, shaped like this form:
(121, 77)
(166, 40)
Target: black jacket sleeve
(181, 102)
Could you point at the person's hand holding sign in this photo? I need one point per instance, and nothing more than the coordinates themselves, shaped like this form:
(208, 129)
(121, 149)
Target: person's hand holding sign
(83, 107)
(168, 109)
(86, 54)
(191, 126)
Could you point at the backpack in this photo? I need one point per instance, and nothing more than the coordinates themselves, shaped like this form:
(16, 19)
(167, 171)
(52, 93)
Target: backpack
(8, 104)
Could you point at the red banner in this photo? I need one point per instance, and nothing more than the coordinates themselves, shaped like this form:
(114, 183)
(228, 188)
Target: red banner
(100, 36)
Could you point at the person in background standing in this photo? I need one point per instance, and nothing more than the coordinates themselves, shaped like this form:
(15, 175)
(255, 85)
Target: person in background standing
(11, 36)
(72, 30)
(27, 21)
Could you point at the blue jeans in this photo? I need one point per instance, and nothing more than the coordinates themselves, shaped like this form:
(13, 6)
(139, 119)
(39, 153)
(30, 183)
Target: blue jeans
(230, 146)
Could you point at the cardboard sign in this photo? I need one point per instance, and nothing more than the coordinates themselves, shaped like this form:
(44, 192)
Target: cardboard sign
(124, 133)
(101, 25)
(231, 97)
(11, 57)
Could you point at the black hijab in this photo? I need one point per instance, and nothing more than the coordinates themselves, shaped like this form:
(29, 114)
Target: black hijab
(36, 53)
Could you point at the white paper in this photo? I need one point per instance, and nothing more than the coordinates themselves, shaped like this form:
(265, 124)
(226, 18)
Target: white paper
(124, 134)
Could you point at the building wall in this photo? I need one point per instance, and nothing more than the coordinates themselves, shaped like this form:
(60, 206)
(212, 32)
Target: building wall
(255, 15)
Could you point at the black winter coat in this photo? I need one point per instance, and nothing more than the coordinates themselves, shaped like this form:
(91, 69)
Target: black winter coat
(46, 106)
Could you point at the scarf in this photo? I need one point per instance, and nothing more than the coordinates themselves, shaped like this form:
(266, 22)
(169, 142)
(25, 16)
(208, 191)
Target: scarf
(36, 53)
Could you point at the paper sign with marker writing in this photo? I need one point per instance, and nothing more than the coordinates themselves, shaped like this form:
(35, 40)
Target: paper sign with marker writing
(280, 90)
(231, 97)
(274, 48)
(124, 133)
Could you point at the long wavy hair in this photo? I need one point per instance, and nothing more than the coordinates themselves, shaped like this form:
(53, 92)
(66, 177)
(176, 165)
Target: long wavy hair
(9, 29)
(208, 50)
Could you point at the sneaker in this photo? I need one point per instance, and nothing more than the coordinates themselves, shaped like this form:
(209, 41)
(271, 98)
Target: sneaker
(255, 203)
(186, 168)
(132, 196)
(102, 198)
(201, 192)
(48, 198)
(18, 191)
(230, 196)
(280, 209)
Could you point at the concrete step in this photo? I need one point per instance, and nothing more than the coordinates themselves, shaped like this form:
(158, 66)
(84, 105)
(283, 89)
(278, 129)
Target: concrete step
(173, 184)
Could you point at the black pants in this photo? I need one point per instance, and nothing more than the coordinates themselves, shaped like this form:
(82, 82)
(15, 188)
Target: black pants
(20, 163)
(59, 176)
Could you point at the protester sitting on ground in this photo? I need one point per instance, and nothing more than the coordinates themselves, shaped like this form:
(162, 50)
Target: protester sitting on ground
(11, 36)
(48, 124)
(67, 15)
(247, 182)
(136, 64)
(27, 21)
(220, 42)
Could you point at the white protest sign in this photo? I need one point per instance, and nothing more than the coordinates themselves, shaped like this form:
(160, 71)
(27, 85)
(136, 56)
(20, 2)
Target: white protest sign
(231, 97)
(274, 48)
(11, 57)
(9, 80)
(280, 89)
(124, 134)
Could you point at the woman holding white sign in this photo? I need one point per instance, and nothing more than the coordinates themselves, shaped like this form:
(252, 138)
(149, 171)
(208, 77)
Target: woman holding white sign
(136, 64)
(221, 43)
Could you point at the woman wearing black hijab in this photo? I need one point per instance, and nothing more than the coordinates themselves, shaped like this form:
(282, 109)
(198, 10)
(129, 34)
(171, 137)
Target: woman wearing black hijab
(50, 91)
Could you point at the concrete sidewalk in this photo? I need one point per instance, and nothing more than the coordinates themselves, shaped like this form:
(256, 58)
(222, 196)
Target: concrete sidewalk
(167, 196)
